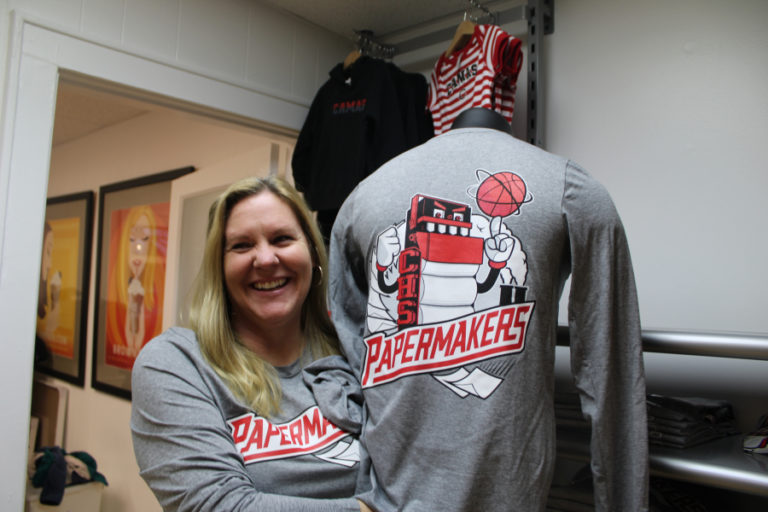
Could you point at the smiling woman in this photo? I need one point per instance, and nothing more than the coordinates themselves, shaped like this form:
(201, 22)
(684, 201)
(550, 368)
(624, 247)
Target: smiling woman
(268, 267)
(221, 414)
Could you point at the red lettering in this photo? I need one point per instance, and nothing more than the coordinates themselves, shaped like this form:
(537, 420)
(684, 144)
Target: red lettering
(488, 328)
(240, 428)
(460, 340)
(407, 313)
(522, 322)
(386, 358)
(271, 430)
(409, 346)
(409, 261)
(448, 345)
(442, 341)
(374, 352)
(476, 323)
(284, 434)
(506, 320)
(425, 341)
(399, 344)
(296, 431)
(257, 436)
(314, 426)
(407, 286)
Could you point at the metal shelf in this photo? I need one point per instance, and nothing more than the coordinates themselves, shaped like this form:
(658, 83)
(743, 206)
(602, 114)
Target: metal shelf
(720, 463)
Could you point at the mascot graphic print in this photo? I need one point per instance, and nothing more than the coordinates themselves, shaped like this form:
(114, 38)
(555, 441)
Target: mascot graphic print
(448, 293)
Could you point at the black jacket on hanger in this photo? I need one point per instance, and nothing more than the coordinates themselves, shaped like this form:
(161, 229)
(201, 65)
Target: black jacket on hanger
(359, 119)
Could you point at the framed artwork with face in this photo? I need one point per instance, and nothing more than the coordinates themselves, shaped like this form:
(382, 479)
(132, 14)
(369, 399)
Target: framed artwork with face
(62, 305)
(130, 275)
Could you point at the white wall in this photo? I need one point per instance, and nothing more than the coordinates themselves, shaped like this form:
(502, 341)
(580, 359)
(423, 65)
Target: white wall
(242, 42)
(665, 102)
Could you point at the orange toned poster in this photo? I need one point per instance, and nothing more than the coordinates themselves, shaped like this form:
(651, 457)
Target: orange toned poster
(136, 278)
(57, 301)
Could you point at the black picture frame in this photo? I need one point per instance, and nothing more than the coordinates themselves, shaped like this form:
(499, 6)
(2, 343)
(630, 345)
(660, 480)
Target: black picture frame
(62, 313)
(138, 208)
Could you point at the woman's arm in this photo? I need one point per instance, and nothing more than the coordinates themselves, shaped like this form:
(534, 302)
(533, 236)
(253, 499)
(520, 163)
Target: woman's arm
(184, 448)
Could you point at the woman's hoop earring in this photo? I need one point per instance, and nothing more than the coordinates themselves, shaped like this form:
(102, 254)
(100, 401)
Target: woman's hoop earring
(320, 270)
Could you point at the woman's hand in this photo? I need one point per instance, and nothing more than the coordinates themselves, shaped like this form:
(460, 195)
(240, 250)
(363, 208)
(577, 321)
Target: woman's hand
(364, 507)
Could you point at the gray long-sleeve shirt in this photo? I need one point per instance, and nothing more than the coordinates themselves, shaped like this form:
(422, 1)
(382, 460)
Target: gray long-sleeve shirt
(200, 448)
(447, 265)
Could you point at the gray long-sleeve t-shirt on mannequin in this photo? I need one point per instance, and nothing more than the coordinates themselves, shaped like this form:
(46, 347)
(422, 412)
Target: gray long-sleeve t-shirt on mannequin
(447, 265)
(200, 448)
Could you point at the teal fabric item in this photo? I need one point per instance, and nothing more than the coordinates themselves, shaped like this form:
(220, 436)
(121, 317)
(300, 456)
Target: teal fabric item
(55, 470)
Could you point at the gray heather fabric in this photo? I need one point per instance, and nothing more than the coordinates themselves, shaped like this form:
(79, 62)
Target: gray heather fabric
(191, 438)
(337, 392)
(453, 335)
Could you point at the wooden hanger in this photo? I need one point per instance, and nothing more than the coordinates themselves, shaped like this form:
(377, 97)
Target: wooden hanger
(351, 58)
(462, 36)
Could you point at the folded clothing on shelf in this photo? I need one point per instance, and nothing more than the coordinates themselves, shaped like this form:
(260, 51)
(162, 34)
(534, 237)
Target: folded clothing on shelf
(681, 422)
(678, 422)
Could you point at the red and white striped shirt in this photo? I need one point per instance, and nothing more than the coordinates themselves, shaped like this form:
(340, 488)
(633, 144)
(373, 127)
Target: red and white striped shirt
(482, 74)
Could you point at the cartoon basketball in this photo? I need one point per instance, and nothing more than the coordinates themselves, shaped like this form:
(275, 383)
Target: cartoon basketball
(501, 194)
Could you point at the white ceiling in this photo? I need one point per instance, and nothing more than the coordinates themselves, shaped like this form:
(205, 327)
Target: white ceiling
(81, 111)
(383, 17)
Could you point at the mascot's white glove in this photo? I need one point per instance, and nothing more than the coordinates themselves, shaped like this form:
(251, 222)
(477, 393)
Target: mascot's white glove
(387, 248)
(498, 247)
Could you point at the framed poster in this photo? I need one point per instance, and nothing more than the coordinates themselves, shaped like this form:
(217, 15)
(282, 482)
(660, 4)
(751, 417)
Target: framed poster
(130, 275)
(62, 305)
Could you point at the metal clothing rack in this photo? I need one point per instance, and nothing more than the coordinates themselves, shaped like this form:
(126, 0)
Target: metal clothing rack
(473, 5)
(421, 43)
(541, 21)
(367, 45)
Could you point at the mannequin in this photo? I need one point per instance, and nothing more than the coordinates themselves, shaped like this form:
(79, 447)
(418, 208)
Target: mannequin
(446, 269)
(478, 117)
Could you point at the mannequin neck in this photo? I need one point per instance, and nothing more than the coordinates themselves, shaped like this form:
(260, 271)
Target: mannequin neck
(482, 118)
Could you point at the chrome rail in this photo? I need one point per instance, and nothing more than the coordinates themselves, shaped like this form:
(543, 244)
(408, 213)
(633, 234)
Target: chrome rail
(733, 345)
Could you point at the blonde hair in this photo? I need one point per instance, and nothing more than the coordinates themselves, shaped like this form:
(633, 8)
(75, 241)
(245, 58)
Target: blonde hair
(248, 376)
